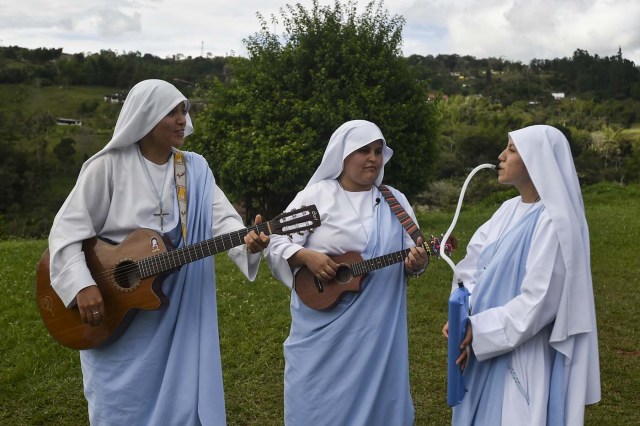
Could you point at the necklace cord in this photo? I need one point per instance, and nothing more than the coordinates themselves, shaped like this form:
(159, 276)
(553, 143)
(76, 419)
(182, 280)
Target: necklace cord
(160, 193)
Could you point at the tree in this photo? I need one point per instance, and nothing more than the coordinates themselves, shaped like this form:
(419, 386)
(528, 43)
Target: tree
(24, 185)
(265, 127)
(64, 151)
(606, 143)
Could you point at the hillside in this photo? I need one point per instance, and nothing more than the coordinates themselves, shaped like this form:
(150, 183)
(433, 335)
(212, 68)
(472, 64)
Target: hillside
(479, 101)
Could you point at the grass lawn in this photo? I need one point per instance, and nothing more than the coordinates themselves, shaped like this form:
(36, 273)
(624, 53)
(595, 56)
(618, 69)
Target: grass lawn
(41, 383)
(60, 101)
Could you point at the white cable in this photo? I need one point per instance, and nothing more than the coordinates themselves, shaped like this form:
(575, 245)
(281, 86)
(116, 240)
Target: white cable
(443, 243)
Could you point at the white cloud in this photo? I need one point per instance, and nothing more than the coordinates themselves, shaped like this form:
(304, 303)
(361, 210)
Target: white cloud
(512, 29)
(112, 23)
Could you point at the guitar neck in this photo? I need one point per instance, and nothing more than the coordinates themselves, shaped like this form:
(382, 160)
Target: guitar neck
(366, 266)
(174, 259)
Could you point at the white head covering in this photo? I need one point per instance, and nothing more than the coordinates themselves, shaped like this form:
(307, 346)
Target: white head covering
(547, 156)
(147, 103)
(349, 137)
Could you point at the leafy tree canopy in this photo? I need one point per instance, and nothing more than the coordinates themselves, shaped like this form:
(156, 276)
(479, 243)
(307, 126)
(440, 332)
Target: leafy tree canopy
(266, 125)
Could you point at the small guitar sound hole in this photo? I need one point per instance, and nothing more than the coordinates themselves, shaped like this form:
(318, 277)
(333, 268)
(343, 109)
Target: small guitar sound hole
(127, 275)
(343, 274)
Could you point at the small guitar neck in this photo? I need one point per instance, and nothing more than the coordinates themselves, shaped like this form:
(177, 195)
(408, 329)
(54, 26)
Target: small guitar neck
(366, 266)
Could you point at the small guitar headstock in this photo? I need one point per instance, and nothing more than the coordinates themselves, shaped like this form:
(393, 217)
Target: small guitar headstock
(305, 218)
(449, 247)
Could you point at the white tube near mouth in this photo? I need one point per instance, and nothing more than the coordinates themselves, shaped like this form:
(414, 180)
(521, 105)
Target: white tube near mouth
(455, 216)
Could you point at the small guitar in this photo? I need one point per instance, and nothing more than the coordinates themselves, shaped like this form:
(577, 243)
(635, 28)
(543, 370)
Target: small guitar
(129, 276)
(324, 295)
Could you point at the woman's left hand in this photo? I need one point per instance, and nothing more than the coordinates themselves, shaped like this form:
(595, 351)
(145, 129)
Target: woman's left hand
(417, 259)
(256, 243)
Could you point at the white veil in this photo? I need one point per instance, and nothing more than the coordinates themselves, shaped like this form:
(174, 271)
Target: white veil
(147, 103)
(347, 138)
(547, 156)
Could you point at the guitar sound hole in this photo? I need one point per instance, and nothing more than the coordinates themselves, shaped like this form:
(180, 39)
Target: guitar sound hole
(127, 275)
(343, 274)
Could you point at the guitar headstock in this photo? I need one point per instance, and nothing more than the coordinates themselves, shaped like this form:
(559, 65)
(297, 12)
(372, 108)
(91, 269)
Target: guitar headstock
(305, 218)
(450, 245)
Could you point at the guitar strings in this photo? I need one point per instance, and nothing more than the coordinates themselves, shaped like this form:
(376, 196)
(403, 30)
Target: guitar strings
(365, 265)
(165, 257)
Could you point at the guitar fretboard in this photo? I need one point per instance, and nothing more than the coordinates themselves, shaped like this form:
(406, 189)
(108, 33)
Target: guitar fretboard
(365, 266)
(170, 260)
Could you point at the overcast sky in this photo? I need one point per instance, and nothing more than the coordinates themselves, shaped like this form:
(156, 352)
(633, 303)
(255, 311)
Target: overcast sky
(512, 29)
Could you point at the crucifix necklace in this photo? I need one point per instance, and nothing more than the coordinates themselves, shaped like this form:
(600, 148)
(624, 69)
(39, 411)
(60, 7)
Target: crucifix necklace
(161, 213)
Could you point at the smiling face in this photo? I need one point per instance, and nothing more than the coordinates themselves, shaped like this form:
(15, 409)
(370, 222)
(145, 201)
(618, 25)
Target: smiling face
(362, 167)
(512, 169)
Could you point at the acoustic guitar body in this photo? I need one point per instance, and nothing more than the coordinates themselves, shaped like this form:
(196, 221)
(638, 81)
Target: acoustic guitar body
(324, 295)
(321, 295)
(118, 278)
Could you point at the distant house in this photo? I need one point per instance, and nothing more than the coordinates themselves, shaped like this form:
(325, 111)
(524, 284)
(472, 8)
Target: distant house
(434, 96)
(115, 98)
(557, 95)
(68, 122)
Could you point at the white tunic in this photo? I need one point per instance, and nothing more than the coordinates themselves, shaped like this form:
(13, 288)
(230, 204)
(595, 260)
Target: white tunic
(347, 230)
(116, 217)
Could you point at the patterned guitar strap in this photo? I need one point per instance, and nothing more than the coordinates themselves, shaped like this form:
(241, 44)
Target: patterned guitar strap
(402, 215)
(180, 171)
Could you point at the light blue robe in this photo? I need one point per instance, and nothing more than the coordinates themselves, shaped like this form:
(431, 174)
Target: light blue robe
(166, 368)
(501, 270)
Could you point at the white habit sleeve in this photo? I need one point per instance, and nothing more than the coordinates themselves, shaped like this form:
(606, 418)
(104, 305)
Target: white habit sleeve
(499, 330)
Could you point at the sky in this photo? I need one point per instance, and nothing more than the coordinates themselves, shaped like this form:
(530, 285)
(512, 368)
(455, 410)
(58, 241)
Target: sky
(514, 30)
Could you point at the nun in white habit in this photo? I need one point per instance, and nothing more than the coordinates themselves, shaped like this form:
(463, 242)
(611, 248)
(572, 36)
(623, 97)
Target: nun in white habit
(165, 368)
(532, 352)
(349, 365)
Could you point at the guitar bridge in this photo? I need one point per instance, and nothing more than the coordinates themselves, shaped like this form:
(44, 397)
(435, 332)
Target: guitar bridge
(319, 285)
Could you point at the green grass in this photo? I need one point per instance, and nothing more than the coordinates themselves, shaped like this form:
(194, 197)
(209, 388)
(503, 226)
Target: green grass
(60, 101)
(41, 383)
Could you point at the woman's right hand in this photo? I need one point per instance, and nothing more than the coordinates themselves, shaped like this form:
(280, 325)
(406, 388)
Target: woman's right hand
(320, 265)
(465, 348)
(90, 305)
(465, 345)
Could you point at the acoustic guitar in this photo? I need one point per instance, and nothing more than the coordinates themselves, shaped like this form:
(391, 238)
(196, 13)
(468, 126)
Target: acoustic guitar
(129, 276)
(324, 295)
